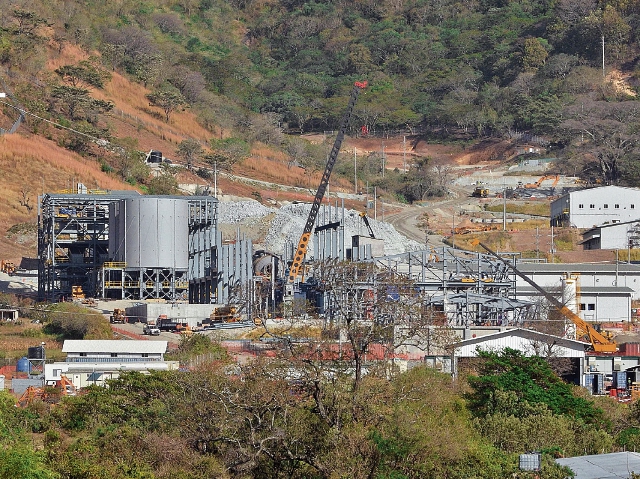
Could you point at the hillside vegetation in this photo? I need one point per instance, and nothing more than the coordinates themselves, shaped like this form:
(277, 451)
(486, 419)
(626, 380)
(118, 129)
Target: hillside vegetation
(239, 85)
(256, 421)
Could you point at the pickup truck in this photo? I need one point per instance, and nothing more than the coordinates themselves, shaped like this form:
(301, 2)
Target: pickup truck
(151, 330)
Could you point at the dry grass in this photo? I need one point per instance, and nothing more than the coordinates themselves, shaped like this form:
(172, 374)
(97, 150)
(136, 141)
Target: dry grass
(15, 339)
(32, 165)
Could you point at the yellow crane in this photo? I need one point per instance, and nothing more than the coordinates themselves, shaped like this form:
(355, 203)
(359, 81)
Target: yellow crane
(303, 243)
(599, 342)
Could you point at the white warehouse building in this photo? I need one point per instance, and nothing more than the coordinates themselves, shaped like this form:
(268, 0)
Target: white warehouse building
(596, 206)
(93, 362)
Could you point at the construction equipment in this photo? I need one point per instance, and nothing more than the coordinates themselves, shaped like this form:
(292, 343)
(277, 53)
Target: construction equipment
(224, 314)
(118, 316)
(537, 184)
(63, 387)
(301, 250)
(599, 342)
(7, 267)
(77, 292)
(480, 191)
(364, 217)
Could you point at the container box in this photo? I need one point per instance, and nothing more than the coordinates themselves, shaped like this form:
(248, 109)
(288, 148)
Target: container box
(530, 462)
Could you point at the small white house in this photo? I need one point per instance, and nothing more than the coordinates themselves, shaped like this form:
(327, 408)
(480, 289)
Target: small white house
(596, 206)
(96, 361)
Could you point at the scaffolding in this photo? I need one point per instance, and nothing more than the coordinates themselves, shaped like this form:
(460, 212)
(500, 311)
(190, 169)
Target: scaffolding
(74, 257)
(73, 239)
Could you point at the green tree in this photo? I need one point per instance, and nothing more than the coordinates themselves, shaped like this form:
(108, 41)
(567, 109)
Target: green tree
(508, 382)
(168, 99)
(189, 150)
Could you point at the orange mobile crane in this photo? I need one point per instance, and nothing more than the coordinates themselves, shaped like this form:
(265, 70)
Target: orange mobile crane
(599, 342)
(301, 250)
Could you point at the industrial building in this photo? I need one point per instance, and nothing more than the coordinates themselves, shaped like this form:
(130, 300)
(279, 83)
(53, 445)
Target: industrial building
(625, 236)
(93, 362)
(596, 206)
(122, 245)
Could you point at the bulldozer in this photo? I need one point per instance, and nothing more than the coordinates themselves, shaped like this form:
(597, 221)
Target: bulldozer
(480, 191)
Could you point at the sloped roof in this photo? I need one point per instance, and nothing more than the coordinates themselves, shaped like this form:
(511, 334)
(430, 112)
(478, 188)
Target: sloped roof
(524, 333)
(114, 346)
(603, 466)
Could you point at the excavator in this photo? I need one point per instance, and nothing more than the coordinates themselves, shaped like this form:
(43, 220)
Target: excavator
(63, 387)
(584, 330)
(303, 243)
(537, 184)
(365, 218)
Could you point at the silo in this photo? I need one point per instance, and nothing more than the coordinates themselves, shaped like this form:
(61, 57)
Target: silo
(150, 232)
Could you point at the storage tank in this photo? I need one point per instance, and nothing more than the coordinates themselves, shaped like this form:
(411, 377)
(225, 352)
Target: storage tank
(149, 232)
(23, 365)
(36, 352)
(155, 157)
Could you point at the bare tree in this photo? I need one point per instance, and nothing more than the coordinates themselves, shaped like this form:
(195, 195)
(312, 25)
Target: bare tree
(25, 193)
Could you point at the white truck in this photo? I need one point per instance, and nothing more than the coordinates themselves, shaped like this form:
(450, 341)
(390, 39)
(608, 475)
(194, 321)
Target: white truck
(151, 328)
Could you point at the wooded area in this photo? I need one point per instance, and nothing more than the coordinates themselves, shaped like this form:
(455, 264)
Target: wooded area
(262, 71)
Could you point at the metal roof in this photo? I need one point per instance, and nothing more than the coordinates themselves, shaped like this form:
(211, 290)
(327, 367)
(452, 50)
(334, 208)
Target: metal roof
(532, 268)
(114, 346)
(603, 466)
(523, 333)
(583, 290)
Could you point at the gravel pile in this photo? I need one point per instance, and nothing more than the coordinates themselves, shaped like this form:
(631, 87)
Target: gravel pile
(287, 224)
(236, 211)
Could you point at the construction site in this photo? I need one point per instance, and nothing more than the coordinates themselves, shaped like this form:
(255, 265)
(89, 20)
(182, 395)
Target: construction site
(170, 263)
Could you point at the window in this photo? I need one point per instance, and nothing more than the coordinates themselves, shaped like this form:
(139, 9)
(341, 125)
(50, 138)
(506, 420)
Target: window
(583, 306)
(83, 354)
(145, 355)
(591, 306)
(633, 206)
(114, 355)
(605, 205)
(592, 206)
(57, 373)
(580, 206)
(616, 206)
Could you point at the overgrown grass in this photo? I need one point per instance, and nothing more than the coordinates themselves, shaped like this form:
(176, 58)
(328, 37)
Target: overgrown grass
(527, 208)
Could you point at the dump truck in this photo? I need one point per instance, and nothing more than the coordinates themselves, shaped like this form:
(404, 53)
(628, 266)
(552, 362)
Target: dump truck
(480, 191)
(8, 267)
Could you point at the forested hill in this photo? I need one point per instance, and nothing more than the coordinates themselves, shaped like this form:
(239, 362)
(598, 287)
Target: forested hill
(258, 69)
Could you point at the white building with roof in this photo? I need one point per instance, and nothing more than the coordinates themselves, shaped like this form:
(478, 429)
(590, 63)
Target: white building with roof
(612, 236)
(596, 206)
(96, 361)
(529, 343)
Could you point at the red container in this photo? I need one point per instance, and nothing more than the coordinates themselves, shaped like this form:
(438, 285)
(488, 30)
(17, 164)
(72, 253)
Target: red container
(629, 349)
(613, 393)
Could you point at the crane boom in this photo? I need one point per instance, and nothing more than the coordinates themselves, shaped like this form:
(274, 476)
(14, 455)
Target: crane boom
(599, 343)
(301, 250)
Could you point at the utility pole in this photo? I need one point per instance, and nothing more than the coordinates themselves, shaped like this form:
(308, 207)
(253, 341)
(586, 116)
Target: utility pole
(215, 179)
(504, 207)
(375, 202)
(355, 171)
(603, 55)
(404, 154)
(383, 162)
